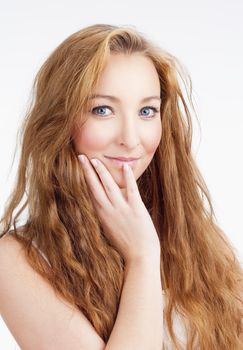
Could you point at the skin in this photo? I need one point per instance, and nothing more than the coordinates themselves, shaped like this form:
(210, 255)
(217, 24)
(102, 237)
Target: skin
(124, 127)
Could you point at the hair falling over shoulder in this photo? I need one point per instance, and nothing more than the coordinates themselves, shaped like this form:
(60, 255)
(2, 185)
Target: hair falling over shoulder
(199, 267)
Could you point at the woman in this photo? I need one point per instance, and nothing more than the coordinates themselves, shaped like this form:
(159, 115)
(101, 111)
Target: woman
(115, 239)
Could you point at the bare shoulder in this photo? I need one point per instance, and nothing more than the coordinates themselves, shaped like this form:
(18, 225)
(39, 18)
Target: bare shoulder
(10, 251)
(31, 310)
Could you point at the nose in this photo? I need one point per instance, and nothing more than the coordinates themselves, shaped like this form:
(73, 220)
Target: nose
(129, 132)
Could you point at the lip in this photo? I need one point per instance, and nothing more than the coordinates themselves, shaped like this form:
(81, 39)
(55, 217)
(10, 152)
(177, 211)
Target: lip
(125, 159)
(118, 162)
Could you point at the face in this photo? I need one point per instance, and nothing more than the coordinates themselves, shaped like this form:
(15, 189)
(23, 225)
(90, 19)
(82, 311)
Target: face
(126, 125)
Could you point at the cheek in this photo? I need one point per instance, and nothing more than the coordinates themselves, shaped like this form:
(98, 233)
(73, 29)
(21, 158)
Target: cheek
(152, 139)
(91, 138)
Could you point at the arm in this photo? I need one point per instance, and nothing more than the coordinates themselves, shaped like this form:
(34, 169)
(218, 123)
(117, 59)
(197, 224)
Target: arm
(139, 323)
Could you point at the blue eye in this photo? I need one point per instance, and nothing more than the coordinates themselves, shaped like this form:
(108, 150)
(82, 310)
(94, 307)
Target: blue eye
(154, 109)
(100, 108)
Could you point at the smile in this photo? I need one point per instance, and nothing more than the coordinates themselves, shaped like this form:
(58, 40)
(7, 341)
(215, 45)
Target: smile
(119, 163)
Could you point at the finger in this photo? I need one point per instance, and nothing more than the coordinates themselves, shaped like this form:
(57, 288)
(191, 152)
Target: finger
(112, 190)
(96, 205)
(95, 185)
(133, 194)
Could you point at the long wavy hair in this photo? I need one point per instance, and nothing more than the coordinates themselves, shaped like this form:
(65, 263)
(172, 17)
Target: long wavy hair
(199, 267)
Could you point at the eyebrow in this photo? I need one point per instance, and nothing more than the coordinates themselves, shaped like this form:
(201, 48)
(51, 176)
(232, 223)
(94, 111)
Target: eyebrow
(116, 99)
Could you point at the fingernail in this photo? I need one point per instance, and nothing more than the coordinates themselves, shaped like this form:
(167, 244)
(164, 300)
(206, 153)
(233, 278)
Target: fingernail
(81, 158)
(94, 162)
(126, 166)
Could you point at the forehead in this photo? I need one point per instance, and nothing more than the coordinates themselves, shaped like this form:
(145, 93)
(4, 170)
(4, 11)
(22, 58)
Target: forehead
(125, 75)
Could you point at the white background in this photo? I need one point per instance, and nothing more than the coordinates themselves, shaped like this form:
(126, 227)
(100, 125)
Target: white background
(205, 35)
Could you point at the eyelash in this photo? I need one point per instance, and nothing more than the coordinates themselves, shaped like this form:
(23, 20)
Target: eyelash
(104, 106)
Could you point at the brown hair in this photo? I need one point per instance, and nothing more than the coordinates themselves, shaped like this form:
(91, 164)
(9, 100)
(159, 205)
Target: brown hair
(199, 267)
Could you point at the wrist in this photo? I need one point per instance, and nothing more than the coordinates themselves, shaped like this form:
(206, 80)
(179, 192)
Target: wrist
(144, 260)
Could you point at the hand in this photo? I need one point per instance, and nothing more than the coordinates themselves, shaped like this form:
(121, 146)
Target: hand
(127, 223)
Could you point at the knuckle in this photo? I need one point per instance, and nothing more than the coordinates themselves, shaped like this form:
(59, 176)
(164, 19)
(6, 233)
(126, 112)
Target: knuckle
(132, 190)
(108, 188)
